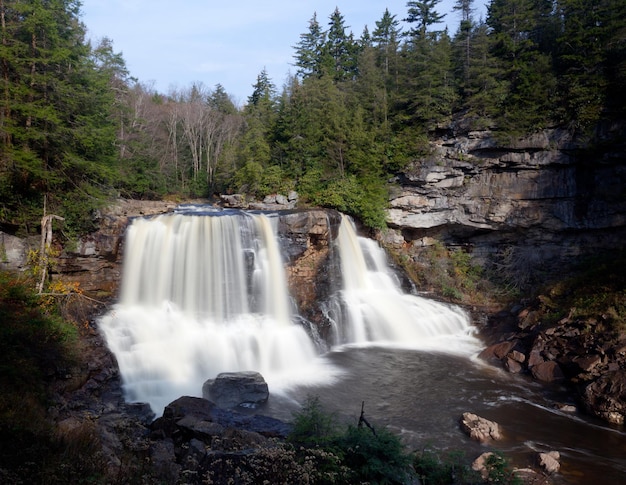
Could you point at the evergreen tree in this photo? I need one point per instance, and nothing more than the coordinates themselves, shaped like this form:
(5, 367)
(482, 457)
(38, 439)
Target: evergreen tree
(484, 90)
(386, 39)
(527, 71)
(56, 127)
(428, 87)
(310, 49)
(463, 38)
(260, 116)
(341, 51)
(220, 100)
(424, 15)
(592, 33)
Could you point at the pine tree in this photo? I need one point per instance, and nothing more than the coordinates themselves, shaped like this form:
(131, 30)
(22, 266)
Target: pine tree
(484, 91)
(591, 47)
(341, 51)
(386, 39)
(309, 50)
(56, 127)
(424, 15)
(463, 38)
(527, 71)
(260, 116)
(427, 91)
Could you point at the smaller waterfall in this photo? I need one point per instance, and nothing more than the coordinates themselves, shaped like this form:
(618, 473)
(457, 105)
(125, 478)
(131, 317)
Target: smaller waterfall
(373, 308)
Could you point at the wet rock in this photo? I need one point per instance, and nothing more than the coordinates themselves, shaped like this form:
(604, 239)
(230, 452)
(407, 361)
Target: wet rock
(232, 389)
(528, 476)
(480, 429)
(512, 366)
(234, 201)
(588, 363)
(548, 371)
(566, 408)
(535, 358)
(517, 356)
(550, 461)
(606, 397)
(496, 351)
(163, 460)
(188, 406)
(480, 464)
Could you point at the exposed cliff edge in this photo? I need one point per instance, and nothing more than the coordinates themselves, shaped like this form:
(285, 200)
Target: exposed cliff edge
(547, 197)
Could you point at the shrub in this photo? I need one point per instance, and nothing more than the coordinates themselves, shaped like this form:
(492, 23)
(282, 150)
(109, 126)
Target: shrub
(312, 426)
(35, 344)
(374, 458)
(365, 456)
(433, 470)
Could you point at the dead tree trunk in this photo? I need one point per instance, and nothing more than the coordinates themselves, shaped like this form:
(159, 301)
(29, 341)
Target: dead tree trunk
(44, 250)
(363, 421)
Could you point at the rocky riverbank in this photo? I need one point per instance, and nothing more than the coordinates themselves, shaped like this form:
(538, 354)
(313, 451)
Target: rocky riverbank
(556, 341)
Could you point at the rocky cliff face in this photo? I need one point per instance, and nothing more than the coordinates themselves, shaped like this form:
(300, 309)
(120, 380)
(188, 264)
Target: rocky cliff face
(546, 197)
(306, 238)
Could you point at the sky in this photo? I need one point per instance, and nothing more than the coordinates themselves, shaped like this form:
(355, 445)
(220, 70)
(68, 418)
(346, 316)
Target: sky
(171, 45)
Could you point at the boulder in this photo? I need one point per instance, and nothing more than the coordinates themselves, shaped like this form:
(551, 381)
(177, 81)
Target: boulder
(606, 397)
(496, 351)
(197, 418)
(186, 406)
(480, 429)
(13, 252)
(480, 465)
(528, 476)
(547, 372)
(513, 366)
(550, 461)
(232, 389)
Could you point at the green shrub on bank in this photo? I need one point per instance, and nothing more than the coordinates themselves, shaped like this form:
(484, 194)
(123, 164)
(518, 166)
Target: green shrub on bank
(451, 273)
(594, 294)
(366, 456)
(36, 346)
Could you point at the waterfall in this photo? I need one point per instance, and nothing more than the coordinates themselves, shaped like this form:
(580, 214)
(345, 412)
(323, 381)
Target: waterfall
(206, 292)
(202, 294)
(372, 308)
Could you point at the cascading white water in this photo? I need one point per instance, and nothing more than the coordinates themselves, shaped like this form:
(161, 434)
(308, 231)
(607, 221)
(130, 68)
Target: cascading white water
(202, 295)
(205, 293)
(372, 308)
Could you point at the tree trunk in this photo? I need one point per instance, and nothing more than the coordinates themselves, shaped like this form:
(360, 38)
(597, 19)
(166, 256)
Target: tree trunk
(44, 250)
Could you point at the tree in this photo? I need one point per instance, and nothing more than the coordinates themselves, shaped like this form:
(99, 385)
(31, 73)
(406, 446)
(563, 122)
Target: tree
(591, 47)
(386, 38)
(463, 38)
(427, 91)
(260, 117)
(221, 101)
(309, 50)
(56, 126)
(484, 91)
(523, 66)
(264, 90)
(424, 15)
(340, 51)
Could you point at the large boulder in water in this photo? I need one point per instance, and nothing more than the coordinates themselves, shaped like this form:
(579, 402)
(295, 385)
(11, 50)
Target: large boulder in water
(480, 429)
(232, 389)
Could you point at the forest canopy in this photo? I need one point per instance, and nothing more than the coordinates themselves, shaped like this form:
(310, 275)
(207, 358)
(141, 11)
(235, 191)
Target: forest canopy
(76, 129)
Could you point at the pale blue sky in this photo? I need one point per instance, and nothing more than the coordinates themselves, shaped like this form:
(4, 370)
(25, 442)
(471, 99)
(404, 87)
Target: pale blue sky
(174, 44)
